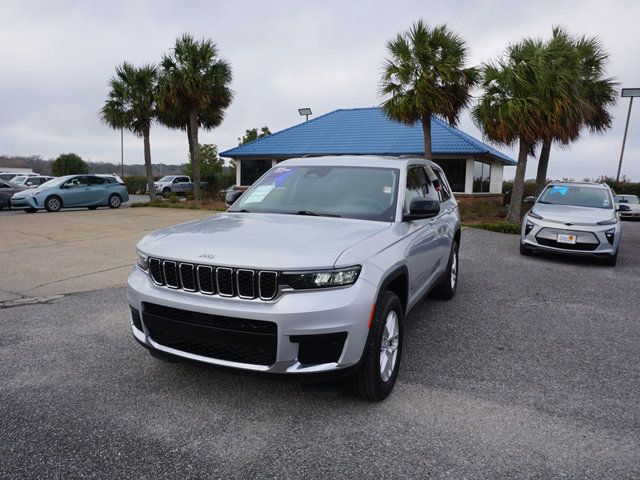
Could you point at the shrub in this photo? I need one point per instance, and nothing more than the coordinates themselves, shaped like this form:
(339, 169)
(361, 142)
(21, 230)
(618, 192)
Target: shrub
(136, 185)
(500, 227)
(507, 188)
(173, 198)
(622, 187)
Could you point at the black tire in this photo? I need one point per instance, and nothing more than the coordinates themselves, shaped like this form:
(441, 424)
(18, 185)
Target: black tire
(166, 192)
(53, 204)
(115, 200)
(30, 210)
(524, 250)
(611, 261)
(446, 290)
(368, 382)
(92, 208)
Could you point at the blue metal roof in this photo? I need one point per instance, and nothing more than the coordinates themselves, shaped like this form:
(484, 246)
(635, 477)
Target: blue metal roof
(363, 131)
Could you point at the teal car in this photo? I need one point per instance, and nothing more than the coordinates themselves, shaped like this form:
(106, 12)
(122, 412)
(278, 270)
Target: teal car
(72, 191)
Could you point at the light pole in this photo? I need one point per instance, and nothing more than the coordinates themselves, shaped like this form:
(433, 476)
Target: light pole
(305, 112)
(122, 153)
(631, 93)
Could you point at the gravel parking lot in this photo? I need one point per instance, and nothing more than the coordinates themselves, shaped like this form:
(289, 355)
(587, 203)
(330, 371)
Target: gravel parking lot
(531, 371)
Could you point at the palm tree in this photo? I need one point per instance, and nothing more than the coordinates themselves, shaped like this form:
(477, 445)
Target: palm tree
(426, 76)
(131, 105)
(578, 94)
(509, 110)
(193, 92)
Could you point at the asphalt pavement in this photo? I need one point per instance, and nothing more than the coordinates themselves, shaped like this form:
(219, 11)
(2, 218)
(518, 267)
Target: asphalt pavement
(531, 371)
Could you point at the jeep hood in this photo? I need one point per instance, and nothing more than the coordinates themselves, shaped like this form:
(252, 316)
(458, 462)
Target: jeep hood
(574, 215)
(259, 240)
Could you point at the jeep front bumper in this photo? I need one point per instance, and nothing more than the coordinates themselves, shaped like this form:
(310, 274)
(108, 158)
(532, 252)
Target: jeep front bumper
(299, 332)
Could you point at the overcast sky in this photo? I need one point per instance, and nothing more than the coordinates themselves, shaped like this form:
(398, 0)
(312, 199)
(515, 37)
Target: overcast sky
(56, 58)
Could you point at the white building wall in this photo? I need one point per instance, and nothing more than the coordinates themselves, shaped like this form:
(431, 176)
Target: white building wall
(468, 177)
(497, 175)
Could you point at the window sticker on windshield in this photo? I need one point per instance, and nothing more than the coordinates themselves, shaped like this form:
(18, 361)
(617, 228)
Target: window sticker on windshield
(259, 193)
(560, 190)
(278, 175)
(386, 190)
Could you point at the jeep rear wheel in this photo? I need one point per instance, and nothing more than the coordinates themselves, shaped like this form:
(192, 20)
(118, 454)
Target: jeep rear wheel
(377, 375)
(447, 288)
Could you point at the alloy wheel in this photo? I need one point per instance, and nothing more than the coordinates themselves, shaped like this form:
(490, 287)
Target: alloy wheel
(389, 346)
(454, 270)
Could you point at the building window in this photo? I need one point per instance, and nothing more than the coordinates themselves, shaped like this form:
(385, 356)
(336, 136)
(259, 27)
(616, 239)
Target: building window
(252, 170)
(455, 171)
(481, 177)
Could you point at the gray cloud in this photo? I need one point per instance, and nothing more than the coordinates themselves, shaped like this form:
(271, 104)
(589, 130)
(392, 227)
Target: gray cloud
(57, 58)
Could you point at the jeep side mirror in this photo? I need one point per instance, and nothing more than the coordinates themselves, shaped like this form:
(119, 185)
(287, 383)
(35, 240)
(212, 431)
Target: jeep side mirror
(422, 208)
(232, 196)
(623, 208)
(529, 199)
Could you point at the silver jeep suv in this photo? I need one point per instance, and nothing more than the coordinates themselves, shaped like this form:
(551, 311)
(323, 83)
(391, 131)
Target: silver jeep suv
(309, 273)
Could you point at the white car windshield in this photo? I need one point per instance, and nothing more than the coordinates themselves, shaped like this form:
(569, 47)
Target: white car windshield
(576, 196)
(628, 199)
(367, 193)
(166, 178)
(19, 180)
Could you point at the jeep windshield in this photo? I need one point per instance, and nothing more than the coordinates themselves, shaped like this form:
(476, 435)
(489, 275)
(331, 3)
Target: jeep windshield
(576, 196)
(367, 193)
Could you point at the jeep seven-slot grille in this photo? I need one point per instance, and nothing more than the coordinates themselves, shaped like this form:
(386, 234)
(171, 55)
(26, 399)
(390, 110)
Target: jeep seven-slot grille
(210, 280)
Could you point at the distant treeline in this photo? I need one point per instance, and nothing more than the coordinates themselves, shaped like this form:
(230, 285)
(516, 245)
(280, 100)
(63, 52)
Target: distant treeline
(43, 167)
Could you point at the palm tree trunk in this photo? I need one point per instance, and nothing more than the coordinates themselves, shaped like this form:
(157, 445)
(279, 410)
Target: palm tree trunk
(426, 132)
(193, 151)
(147, 165)
(543, 165)
(518, 183)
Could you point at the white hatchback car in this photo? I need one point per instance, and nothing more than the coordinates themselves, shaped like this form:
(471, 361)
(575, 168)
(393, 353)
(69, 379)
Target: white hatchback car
(573, 218)
(632, 202)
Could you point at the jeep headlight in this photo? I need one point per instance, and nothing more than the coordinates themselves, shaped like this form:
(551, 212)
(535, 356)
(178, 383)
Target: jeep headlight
(321, 279)
(143, 262)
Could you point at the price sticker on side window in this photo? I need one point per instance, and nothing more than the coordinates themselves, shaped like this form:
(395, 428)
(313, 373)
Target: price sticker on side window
(564, 238)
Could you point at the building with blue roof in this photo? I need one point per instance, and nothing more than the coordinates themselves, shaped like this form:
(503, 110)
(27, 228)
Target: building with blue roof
(472, 166)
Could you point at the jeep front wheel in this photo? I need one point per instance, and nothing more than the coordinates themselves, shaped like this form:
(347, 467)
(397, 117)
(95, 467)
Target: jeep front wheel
(377, 375)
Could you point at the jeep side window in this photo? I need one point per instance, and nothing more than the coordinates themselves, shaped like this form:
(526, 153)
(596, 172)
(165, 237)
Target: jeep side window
(417, 185)
(445, 194)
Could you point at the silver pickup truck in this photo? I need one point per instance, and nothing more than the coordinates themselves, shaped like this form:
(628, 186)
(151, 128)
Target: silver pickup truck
(310, 273)
(179, 184)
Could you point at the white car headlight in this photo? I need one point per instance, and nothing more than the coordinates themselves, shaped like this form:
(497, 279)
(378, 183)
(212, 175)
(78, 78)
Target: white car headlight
(143, 262)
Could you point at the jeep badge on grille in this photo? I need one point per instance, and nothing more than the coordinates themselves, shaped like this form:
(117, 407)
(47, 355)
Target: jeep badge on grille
(208, 256)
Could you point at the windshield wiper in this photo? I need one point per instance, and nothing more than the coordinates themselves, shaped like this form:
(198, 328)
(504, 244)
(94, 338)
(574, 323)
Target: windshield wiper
(314, 214)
